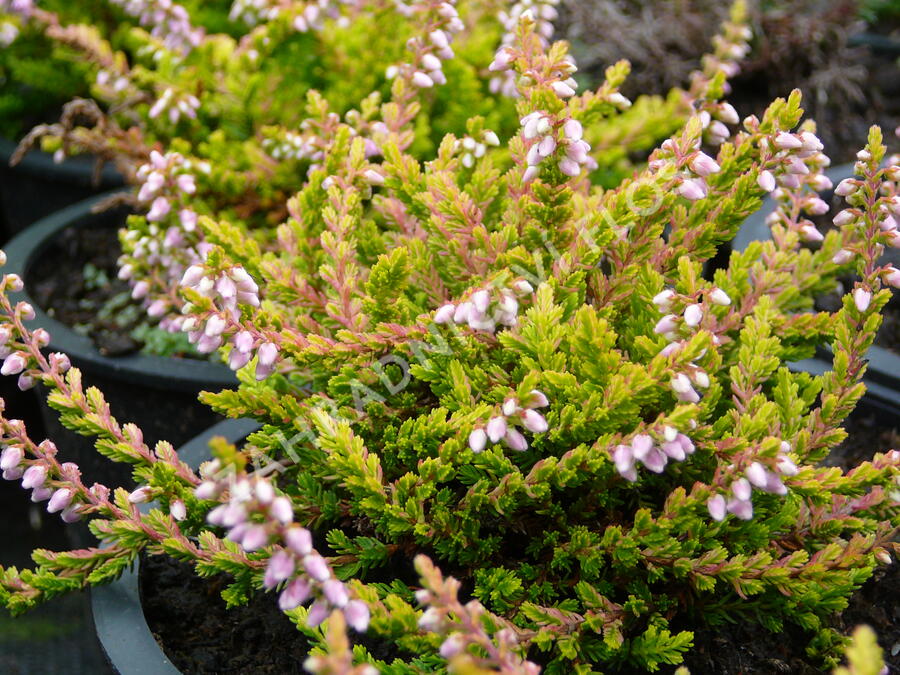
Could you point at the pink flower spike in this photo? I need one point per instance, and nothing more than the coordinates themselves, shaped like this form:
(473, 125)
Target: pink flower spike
(295, 594)
(862, 298)
(357, 615)
(716, 506)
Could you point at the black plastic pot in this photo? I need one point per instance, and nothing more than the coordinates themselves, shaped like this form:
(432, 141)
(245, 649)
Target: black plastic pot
(158, 394)
(882, 378)
(129, 645)
(38, 186)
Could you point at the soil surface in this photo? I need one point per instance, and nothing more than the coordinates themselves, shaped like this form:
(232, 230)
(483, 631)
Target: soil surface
(188, 618)
(75, 281)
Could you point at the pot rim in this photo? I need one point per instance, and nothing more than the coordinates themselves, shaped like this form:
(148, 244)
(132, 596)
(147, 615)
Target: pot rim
(159, 371)
(118, 615)
(77, 170)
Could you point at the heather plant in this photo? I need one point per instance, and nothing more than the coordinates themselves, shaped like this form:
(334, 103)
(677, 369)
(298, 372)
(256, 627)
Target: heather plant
(508, 423)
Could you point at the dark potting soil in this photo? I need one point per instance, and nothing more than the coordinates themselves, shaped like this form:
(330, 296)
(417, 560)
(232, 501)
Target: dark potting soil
(187, 616)
(75, 281)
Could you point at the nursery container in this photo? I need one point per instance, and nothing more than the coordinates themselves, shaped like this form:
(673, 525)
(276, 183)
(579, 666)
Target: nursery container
(882, 378)
(38, 186)
(159, 394)
(118, 617)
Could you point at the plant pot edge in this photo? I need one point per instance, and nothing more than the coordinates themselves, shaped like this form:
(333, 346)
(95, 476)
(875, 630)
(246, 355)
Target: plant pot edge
(77, 170)
(118, 615)
(163, 372)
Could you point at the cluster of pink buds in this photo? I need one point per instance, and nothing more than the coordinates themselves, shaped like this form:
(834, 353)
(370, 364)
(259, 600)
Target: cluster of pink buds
(730, 48)
(674, 327)
(543, 133)
(758, 476)
(175, 106)
(888, 213)
(426, 68)
(228, 290)
(471, 149)
(293, 146)
(543, 13)
(169, 22)
(252, 12)
(35, 476)
(695, 166)
(484, 311)
(114, 86)
(256, 517)
(502, 427)
(314, 13)
(794, 175)
(651, 453)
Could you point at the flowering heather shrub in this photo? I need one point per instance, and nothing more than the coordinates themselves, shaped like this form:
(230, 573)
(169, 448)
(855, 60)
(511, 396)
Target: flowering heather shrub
(508, 423)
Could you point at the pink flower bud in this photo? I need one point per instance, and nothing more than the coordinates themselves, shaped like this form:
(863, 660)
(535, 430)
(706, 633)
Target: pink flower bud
(60, 500)
(741, 489)
(280, 568)
(452, 646)
(140, 290)
(766, 181)
(546, 147)
(178, 510)
(569, 167)
(573, 130)
(535, 422)
(11, 457)
(422, 80)
(34, 476)
(496, 429)
(862, 298)
(757, 474)
(816, 206)
(667, 324)
(41, 494)
(537, 400)
(743, 509)
(444, 314)
(501, 60)
(373, 177)
(294, 594)
(357, 615)
(282, 510)
(336, 593)
(562, 89)
(692, 189)
(299, 540)
(316, 567)
(655, 460)
(477, 440)
(846, 187)
(786, 141)
(693, 315)
(13, 364)
(158, 209)
(716, 506)
(892, 276)
(254, 538)
(844, 217)
(71, 514)
(842, 257)
(515, 440)
(704, 165)
(808, 232)
(786, 466)
(141, 495)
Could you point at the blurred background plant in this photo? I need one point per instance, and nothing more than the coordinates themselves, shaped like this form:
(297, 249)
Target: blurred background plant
(809, 45)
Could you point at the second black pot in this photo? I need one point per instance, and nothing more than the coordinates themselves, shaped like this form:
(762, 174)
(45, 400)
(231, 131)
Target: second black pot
(158, 394)
(38, 186)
